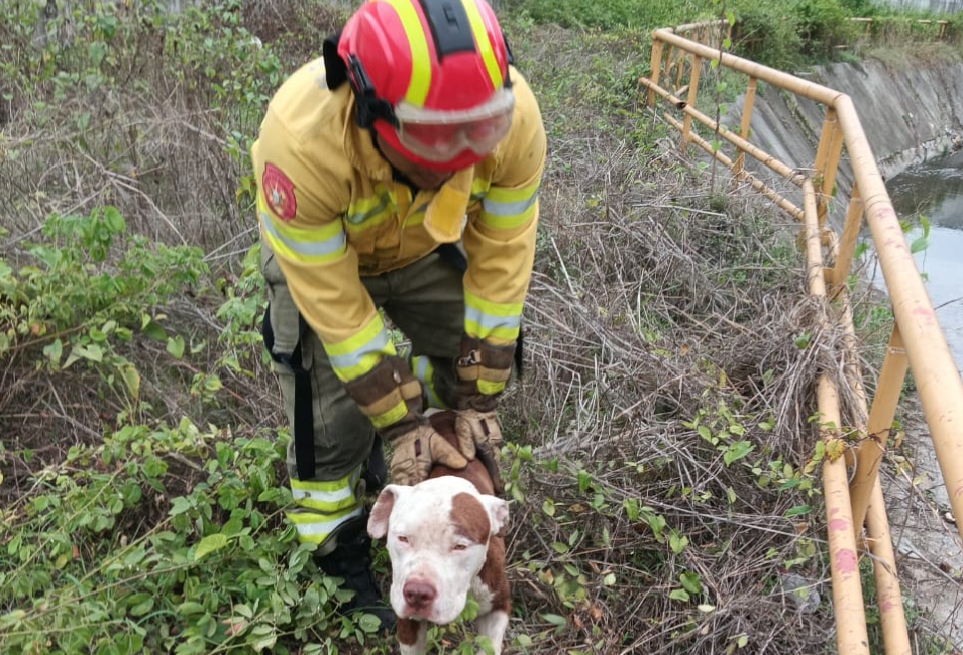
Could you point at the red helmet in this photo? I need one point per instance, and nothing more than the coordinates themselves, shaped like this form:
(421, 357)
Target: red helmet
(431, 76)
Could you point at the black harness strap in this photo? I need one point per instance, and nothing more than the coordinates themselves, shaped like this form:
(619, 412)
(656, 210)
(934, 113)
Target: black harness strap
(303, 410)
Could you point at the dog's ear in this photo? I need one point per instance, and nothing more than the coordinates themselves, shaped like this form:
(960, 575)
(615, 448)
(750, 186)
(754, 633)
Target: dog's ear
(497, 512)
(378, 518)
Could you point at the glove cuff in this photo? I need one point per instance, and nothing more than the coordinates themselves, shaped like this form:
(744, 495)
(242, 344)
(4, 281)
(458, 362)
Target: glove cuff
(390, 396)
(483, 371)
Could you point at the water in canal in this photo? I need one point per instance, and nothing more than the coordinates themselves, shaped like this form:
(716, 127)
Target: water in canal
(935, 190)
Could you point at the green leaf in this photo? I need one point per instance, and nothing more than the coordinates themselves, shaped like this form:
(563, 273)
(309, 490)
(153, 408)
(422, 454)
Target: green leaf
(737, 451)
(140, 604)
(209, 544)
(91, 352)
(175, 346)
(131, 379)
(54, 352)
(369, 623)
(555, 619)
(12, 618)
(691, 582)
(798, 510)
(679, 595)
(114, 220)
(189, 608)
(548, 507)
(265, 636)
(677, 542)
(153, 330)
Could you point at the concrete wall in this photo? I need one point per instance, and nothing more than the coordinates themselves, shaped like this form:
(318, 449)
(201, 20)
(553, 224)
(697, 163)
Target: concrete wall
(940, 6)
(908, 117)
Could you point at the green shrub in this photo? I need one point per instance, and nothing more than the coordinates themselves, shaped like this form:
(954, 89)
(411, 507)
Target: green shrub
(823, 25)
(606, 14)
(106, 556)
(768, 34)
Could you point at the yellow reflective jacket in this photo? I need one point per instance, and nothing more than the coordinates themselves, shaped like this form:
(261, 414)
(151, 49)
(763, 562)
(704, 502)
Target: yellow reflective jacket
(331, 213)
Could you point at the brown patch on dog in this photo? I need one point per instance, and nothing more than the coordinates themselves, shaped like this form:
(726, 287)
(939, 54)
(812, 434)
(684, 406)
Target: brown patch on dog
(494, 577)
(407, 630)
(380, 514)
(470, 518)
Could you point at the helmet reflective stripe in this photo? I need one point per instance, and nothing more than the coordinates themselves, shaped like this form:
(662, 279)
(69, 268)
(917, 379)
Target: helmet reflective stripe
(482, 43)
(420, 80)
(421, 61)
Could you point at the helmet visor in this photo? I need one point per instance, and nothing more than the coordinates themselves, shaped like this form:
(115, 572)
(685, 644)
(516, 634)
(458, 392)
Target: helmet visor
(441, 135)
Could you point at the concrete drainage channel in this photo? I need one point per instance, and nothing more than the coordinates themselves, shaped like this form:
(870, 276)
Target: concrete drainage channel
(919, 121)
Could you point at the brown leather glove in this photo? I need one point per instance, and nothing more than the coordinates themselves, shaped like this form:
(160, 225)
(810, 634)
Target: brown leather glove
(482, 434)
(390, 395)
(417, 450)
(483, 371)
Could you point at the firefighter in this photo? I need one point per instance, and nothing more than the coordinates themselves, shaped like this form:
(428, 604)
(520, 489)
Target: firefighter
(397, 190)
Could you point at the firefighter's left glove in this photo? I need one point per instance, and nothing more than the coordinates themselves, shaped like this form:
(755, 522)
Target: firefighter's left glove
(391, 396)
(483, 370)
(481, 432)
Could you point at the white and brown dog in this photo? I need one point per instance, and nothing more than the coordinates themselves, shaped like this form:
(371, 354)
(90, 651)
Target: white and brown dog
(445, 542)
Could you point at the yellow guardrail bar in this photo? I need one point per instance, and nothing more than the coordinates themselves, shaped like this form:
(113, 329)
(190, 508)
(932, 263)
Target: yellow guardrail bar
(851, 486)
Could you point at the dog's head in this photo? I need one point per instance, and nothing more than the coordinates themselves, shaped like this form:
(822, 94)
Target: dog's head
(438, 533)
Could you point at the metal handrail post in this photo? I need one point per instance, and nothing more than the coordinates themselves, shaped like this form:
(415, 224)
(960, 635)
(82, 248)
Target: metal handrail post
(938, 381)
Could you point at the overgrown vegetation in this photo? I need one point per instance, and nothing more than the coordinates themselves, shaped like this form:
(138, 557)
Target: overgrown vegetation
(662, 464)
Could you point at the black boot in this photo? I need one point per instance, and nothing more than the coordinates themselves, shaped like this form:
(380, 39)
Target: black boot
(375, 471)
(351, 560)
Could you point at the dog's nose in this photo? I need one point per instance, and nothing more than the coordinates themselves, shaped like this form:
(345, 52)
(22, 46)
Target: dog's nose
(419, 594)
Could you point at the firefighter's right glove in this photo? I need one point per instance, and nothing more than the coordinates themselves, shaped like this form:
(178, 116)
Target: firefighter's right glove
(391, 396)
(416, 451)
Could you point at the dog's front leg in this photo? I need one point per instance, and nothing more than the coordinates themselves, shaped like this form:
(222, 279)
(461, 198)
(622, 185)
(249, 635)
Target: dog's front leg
(412, 635)
(493, 626)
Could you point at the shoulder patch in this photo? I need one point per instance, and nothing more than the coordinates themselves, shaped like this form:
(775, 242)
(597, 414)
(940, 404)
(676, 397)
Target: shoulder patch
(278, 192)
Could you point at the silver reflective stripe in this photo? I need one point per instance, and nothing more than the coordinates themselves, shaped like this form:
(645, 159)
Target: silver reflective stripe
(359, 217)
(324, 528)
(329, 246)
(489, 321)
(508, 208)
(324, 496)
(378, 344)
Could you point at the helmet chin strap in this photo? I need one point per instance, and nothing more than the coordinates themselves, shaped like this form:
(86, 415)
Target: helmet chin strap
(397, 175)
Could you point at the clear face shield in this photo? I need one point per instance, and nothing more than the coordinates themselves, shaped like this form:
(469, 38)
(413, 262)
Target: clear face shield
(441, 135)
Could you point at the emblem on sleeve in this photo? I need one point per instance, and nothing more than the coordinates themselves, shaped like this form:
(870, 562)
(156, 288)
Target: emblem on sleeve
(279, 192)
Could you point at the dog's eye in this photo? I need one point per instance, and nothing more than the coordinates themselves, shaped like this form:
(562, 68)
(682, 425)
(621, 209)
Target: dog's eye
(402, 538)
(459, 547)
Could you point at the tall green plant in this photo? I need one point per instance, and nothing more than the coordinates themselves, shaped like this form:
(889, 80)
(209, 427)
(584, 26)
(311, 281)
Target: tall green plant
(84, 290)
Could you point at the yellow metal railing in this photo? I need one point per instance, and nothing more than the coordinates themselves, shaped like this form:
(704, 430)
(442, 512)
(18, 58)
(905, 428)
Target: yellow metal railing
(853, 494)
(941, 25)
